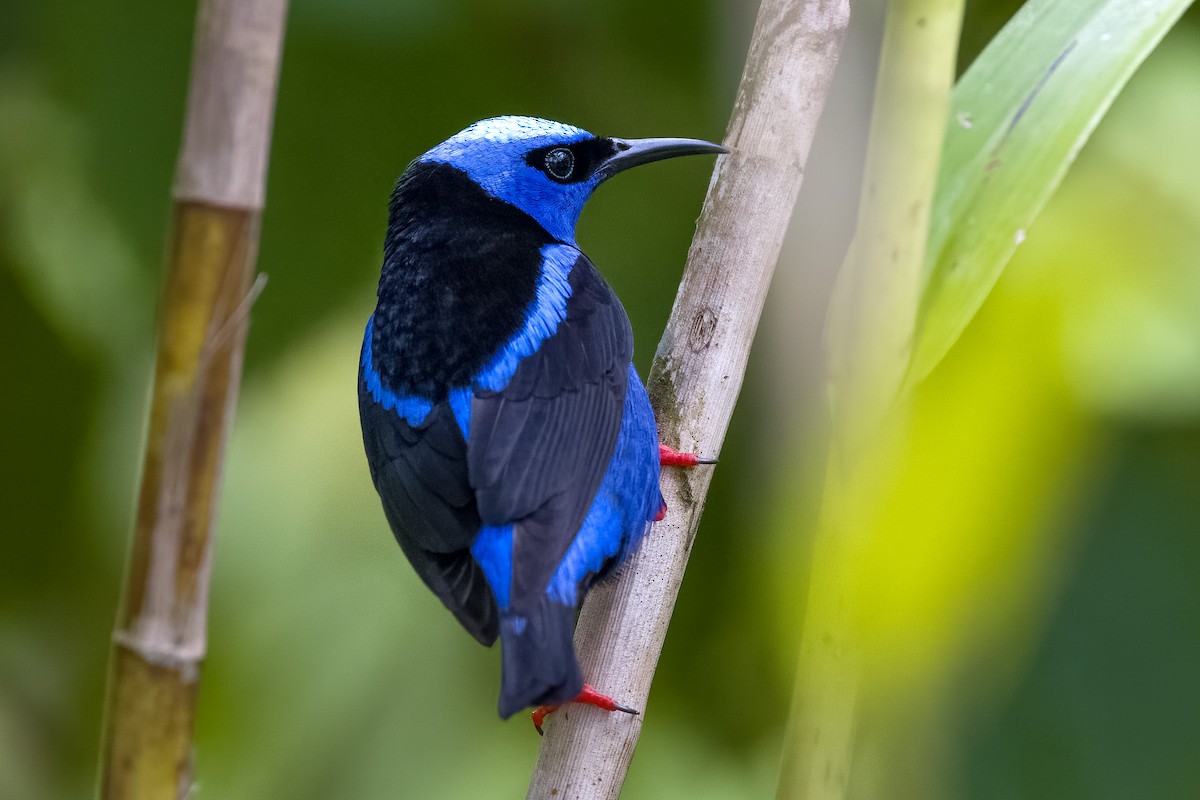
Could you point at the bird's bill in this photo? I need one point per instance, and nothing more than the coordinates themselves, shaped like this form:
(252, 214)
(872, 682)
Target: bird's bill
(635, 152)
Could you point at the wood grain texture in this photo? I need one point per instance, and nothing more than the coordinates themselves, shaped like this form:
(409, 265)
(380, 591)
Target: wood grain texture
(696, 378)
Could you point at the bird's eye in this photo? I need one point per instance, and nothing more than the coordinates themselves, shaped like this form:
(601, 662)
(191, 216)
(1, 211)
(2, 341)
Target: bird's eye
(560, 163)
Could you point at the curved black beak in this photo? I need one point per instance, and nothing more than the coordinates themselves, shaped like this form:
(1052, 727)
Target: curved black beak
(635, 152)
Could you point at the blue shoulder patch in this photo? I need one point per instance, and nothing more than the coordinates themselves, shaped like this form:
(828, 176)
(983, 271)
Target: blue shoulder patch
(460, 406)
(542, 318)
(413, 409)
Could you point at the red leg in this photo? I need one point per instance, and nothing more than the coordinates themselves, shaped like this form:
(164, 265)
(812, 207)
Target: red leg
(590, 696)
(669, 457)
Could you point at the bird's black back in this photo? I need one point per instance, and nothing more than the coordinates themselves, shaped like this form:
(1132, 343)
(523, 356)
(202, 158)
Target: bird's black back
(460, 268)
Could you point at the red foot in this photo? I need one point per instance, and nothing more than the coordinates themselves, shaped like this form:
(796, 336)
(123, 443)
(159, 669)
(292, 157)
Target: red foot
(589, 696)
(673, 458)
(662, 512)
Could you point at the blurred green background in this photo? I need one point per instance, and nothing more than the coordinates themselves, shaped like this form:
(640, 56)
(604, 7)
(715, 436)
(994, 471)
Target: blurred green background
(1034, 593)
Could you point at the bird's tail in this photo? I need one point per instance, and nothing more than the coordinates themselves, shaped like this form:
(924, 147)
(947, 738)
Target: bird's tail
(537, 659)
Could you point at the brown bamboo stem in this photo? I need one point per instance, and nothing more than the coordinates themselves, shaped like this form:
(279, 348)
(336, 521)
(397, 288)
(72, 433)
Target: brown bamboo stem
(159, 640)
(697, 376)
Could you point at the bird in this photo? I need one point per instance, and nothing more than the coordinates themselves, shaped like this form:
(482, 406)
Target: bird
(507, 432)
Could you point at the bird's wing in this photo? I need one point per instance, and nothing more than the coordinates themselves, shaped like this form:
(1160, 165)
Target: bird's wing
(421, 474)
(539, 447)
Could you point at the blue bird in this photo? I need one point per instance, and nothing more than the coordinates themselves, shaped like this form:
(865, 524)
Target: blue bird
(507, 433)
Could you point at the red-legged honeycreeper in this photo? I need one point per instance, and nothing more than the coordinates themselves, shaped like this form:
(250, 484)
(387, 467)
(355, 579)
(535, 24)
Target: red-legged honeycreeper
(508, 434)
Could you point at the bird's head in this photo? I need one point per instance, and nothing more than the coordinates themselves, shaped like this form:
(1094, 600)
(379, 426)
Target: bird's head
(548, 169)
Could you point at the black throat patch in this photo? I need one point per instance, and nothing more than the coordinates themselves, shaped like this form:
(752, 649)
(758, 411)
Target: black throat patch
(460, 269)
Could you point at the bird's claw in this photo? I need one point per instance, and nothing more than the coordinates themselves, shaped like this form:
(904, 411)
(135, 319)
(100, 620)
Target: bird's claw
(670, 457)
(539, 716)
(588, 695)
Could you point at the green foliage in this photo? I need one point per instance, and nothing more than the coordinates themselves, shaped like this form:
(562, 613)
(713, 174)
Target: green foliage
(946, 522)
(1018, 119)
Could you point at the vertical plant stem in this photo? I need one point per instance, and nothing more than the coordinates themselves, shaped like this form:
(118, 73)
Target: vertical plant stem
(696, 377)
(875, 303)
(870, 344)
(159, 641)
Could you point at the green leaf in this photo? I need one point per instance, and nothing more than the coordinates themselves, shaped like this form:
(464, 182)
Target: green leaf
(1018, 118)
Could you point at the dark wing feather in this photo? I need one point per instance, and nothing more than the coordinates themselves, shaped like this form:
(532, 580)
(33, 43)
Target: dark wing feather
(421, 475)
(539, 448)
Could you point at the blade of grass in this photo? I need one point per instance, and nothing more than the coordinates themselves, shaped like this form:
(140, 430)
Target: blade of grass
(1019, 116)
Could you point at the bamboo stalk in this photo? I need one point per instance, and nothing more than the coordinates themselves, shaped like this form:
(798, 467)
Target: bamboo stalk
(870, 332)
(696, 377)
(159, 640)
(874, 309)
